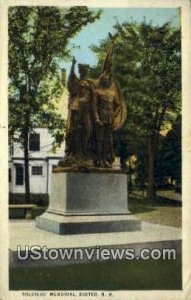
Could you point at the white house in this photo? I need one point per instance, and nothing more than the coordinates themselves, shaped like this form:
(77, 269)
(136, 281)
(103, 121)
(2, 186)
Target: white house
(42, 159)
(41, 163)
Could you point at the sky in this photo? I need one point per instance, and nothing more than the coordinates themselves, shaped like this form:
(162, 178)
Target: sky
(95, 32)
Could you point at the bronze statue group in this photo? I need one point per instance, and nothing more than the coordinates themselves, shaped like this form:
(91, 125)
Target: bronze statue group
(96, 109)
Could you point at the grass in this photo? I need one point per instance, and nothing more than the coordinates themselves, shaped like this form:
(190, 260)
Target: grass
(118, 275)
(161, 211)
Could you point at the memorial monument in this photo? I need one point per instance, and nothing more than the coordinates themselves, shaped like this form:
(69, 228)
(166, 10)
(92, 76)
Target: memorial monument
(87, 194)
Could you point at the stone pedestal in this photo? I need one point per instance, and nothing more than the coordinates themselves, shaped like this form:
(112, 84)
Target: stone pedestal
(88, 203)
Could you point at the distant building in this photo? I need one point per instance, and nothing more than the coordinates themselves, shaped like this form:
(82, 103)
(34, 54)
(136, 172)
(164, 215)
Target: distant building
(41, 163)
(42, 160)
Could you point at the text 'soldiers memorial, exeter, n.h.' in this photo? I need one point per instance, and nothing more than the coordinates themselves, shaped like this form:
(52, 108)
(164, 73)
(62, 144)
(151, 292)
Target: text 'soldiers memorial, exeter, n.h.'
(87, 194)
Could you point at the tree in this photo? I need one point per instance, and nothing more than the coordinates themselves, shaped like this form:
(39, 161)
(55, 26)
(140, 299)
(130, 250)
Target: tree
(147, 65)
(169, 156)
(38, 40)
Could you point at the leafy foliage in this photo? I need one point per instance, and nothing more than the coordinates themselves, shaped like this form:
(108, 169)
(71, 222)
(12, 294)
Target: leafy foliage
(147, 64)
(38, 40)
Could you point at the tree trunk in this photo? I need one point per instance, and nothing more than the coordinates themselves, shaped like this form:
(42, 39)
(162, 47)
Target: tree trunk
(26, 166)
(152, 151)
(130, 177)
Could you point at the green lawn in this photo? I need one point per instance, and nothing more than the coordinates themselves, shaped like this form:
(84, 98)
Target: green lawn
(160, 211)
(119, 275)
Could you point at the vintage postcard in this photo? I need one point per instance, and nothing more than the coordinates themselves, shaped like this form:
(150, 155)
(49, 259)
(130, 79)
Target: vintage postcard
(95, 150)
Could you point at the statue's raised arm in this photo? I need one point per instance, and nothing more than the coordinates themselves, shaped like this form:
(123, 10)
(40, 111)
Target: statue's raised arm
(73, 80)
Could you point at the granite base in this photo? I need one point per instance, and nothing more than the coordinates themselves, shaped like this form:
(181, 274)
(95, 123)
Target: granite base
(88, 203)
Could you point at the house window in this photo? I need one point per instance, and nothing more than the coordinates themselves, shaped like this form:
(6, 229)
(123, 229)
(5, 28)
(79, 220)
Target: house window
(10, 175)
(19, 175)
(34, 142)
(54, 167)
(37, 170)
(11, 149)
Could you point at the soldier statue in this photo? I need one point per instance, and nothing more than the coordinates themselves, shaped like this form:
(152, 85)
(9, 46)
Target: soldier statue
(79, 122)
(96, 109)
